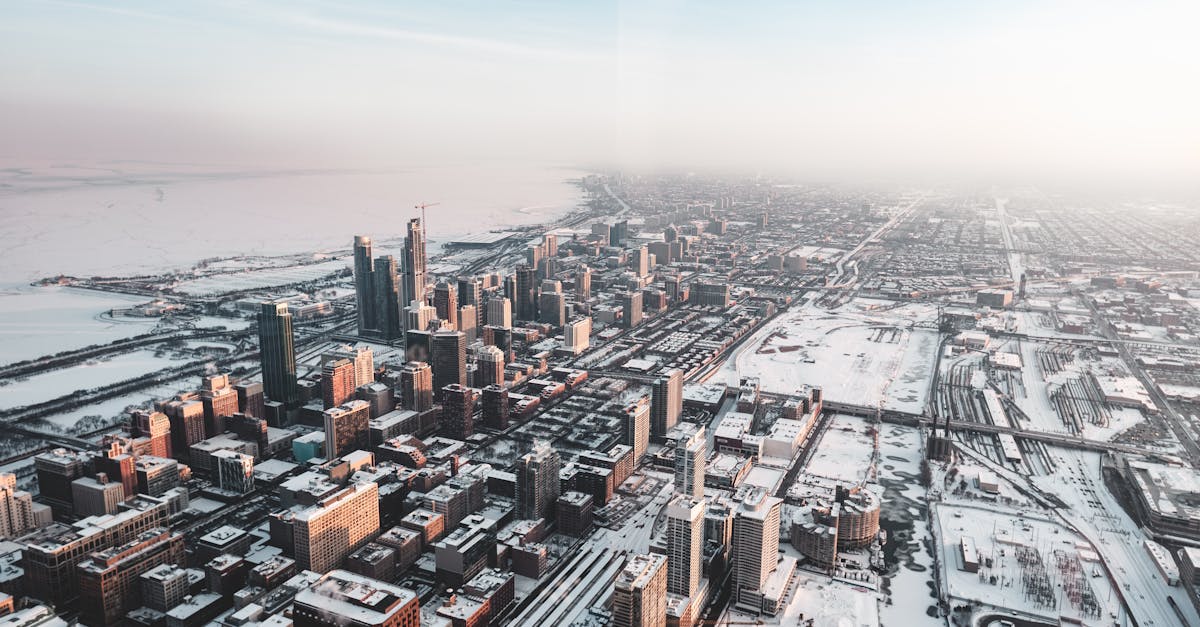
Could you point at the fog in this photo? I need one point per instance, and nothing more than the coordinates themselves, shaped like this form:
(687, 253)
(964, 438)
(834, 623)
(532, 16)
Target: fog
(1040, 89)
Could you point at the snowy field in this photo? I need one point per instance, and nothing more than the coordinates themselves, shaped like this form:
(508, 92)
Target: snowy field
(844, 452)
(260, 279)
(39, 321)
(857, 355)
(92, 374)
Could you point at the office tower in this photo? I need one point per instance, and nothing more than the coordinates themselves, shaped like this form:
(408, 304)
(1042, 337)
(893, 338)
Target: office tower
(414, 262)
(524, 298)
(56, 469)
(445, 302)
(156, 427)
(364, 285)
(346, 428)
(583, 283)
(386, 298)
(661, 251)
(470, 292)
(418, 315)
(550, 244)
(119, 466)
(235, 471)
(631, 308)
(96, 496)
(499, 312)
(277, 353)
(690, 458)
(418, 346)
(533, 255)
(416, 386)
(346, 599)
(186, 414)
(710, 294)
(618, 233)
(575, 513)
(501, 338)
(164, 587)
(537, 482)
(685, 537)
(637, 427)
(671, 287)
(219, 400)
(16, 508)
(468, 321)
(250, 399)
(670, 234)
(156, 475)
(490, 366)
(640, 593)
(639, 261)
(337, 382)
(108, 580)
(755, 545)
(458, 405)
(250, 429)
(552, 305)
(325, 533)
(449, 350)
(495, 407)
(363, 358)
(379, 396)
(577, 335)
(666, 403)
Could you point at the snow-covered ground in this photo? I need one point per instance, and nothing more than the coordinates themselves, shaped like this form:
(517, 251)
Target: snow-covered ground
(39, 321)
(844, 452)
(260, 279)
(92, 374)
(855, 354)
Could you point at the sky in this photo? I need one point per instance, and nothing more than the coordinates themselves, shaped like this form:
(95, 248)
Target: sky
(1091, 88)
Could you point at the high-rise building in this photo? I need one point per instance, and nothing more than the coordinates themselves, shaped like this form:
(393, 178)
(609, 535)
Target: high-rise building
(56, 469)
(346, 599)
(156, 427)
(618, 233)
(468, 322)
(16, 508)
(364, 285)
(449, 360)
(277, 353)
(640, 593)
(347, 428)
(661, 251)
(164, 586)
(537, 482)
(470, 292)
(499, 312)
(550, 244)
(220, 400)
(337, 382)
(108, 580)
(416, 386)
(235, 471)
(186, 414)
(583, 283)
(639, 261)
(525, 297)
(755, 545)
(631, 308)
(445, 301)
(386, 298)
(685, 538)
(251, 429)
(458, 405)
(118, 464)
(414, 262)
(363, 358)
(552, 307)
(490, 366)
(418, 316)
(495, 407)
(710, 294)
(666, 402)
(577, 335)
(95, 496)
(325, 533)
(672, 289)
(501, 338)
(637, 427)
(250, 399)
(156, 475)
(690, 459)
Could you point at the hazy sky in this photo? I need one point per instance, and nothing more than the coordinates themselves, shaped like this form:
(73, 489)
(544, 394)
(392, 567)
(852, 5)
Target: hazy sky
(1073, 87)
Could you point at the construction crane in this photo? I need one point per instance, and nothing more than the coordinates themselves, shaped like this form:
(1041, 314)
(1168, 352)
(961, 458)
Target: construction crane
(422, 207)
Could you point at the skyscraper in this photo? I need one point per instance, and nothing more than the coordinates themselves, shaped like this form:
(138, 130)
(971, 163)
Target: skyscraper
(414, 262)
(347, 428)
(577, 335)
(277, 353)
(468, 320)
(495, 407)
(639, 261)
(490, 366)
(637, 427)
(685, 537)
(416, 386)
(386, 299)
(16, 508)
(755, 545)
(499, 312)
(583, 283)
(363, 358)
(337, 382)
(640, 593)
(690, 459)
(449, 359)
(666, 404)
(458, 405)
(631, 308)
(219, 400)
(325, 533)
(235, 471)
(364, 284)
(525, 299)
(537, 482)
(552, 304)
(445, 301)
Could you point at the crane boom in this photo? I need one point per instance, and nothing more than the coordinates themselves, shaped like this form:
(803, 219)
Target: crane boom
(422, 207)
